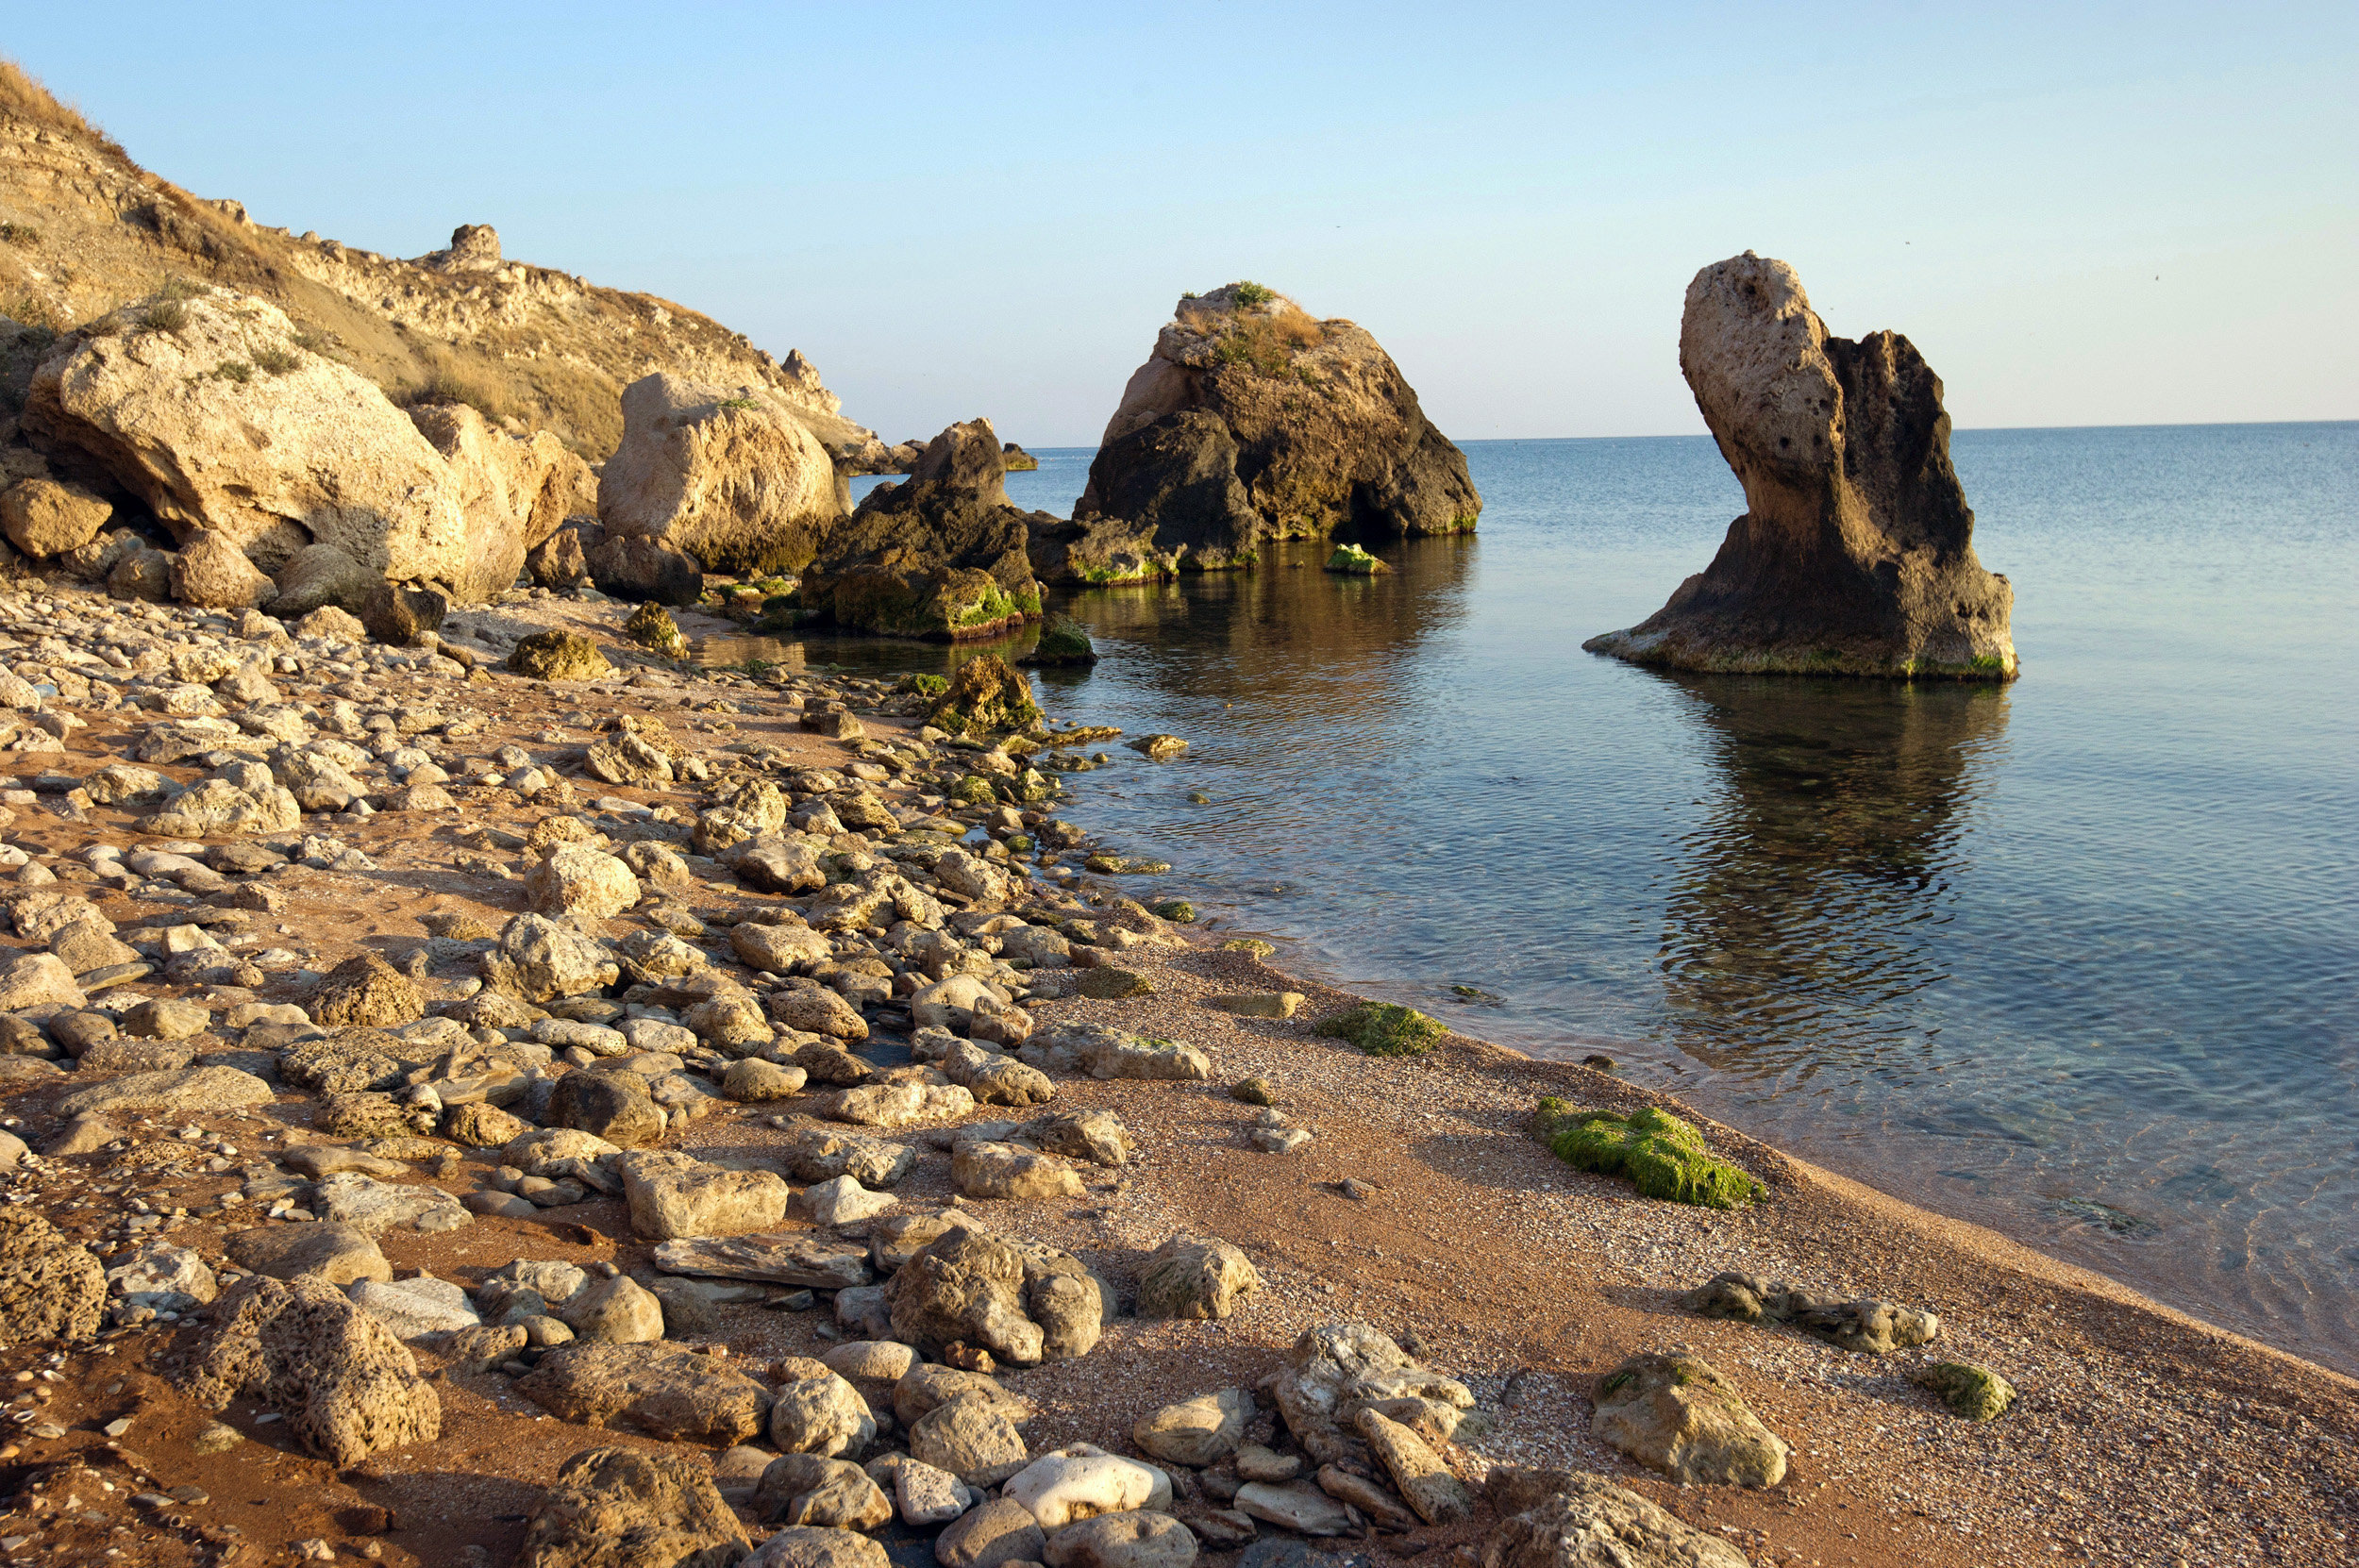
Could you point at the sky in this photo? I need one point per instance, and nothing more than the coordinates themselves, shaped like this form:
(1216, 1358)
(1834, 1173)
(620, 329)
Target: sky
(2081, 214)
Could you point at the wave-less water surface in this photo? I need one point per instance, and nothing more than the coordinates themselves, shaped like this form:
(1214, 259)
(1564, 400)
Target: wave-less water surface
(2074, 957)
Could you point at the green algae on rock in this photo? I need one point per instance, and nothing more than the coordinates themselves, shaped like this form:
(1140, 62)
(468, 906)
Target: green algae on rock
(1385, 1029)
(1065, 641)
(1251, 947)
(985, 697)
(652, 627)
(1972, 1392)
(559, 655)
(1351, 560)
(1178, 910)
(1663, 1157)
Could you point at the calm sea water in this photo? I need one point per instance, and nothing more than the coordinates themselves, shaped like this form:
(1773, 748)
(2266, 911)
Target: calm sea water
(2074, 958)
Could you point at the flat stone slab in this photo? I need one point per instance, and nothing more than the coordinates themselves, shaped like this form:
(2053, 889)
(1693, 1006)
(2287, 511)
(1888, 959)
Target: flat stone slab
(180, 1093)
(774, 1259)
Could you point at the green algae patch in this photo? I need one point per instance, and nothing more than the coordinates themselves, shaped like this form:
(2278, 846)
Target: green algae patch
(1251, 947)
(1178, 910)
(652, 627)
(924, 686)
(1385, 1029)
(1064, 642)
(1663, 1157)
(1355, 561)
(1972, 1392)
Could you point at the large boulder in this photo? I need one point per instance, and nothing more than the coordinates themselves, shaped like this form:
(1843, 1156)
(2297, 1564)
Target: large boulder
(618, 1508)
(942, 556)
(733, 477)
(513, 490)
(1855, 555)
(209, 409)
(346, 1386)
(966, 1288)
(1252, 420)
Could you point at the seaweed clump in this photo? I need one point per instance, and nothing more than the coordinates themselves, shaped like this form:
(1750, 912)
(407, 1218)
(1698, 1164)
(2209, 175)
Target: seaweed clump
(1385, 1029)
(1661, 1155)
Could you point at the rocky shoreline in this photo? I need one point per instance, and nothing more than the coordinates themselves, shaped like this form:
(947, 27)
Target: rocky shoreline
(460, 1117)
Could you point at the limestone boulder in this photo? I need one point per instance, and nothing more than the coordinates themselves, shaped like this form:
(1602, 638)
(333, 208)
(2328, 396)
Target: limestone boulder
(619, 1507)
(345, 1384)
(540, 960)
(1855, 554)
(673, 1195)
(809, 1546)
(45, 517)
(669, 1393)
(1336, 1370)
(514, 491)
(992, 1535)
(1135, 1539)
(733, 476)
(965, 1288)
(322, 576)
(1570, 1519)
(631, 566)
(575, 879)
(1195, 1432)
(1679, 1415)
(816, 1410)
(812, 1491)
(972, 1439)
(209, 409)
(51, 1286)
(1081, 1483)
(614, 1105)
(1190, 1278)
(211, 572)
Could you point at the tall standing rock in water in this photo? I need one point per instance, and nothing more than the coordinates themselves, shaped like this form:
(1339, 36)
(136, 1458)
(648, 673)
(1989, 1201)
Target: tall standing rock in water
(1252, 420)
(940, 555)
(1855, 554)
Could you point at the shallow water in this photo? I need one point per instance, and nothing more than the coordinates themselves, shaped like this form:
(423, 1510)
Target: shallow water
(2074, 958)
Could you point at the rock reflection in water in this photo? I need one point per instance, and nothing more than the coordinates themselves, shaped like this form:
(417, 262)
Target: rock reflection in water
(1816, 888)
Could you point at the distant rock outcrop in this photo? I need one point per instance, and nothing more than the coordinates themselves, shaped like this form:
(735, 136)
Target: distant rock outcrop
(1252, 420)
(730, 476)
(1855, 554)
(940, 555)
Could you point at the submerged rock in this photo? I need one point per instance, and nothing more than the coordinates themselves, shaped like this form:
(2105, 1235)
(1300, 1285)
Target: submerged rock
(1252, 420)
(1855, 554)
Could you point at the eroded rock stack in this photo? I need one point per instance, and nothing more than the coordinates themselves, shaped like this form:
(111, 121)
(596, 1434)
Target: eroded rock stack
(1855, 554)
(1252, 420)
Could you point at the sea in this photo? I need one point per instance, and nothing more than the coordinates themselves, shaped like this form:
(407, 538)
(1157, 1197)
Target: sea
(2075, 959)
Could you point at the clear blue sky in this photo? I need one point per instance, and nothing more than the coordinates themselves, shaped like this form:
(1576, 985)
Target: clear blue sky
(2083, 214)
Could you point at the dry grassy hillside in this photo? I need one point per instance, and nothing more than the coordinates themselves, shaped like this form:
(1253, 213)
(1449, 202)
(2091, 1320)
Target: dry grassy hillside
(84, 229)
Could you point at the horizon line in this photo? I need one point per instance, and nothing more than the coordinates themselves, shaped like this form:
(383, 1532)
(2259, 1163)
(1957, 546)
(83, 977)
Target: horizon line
(1958, 429)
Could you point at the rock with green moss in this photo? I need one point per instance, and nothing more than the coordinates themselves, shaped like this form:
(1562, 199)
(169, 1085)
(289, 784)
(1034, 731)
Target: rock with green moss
(652, 627)
(924, 686)
(1253, 1092)
(942, 556)
(559, 655)
(1678, 1415)
(1252, 947)
(1122, 865)
(1863, 1324)
(1975, 1393)
(1385, 1029)
(1353, 561)
(1065, 641)
(1107, 983)
(1178, 910)
(1663, 1157)
(1158, 748)
(986, 697)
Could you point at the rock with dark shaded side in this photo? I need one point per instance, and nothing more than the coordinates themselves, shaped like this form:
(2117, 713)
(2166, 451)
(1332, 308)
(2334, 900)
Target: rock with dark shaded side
(940, 555)
(1855, 555)
(1254, 420)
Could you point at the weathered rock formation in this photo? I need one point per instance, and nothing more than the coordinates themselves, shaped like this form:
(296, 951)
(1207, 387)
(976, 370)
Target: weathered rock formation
(1855, 554)
(207, 408)
(730, 476)
(1252, 420)
(940, 555)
